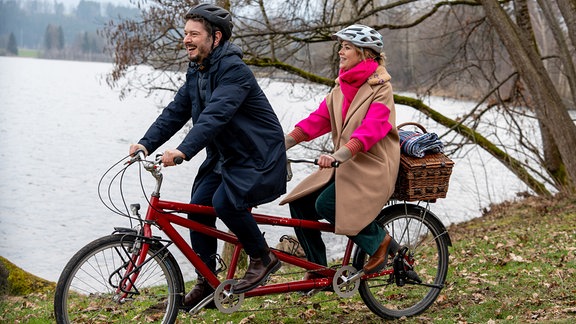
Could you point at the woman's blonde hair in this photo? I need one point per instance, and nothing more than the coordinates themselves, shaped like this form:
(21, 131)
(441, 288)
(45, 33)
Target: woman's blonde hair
(370, 53)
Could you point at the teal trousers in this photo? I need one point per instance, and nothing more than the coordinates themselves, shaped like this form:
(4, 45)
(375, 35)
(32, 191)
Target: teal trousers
(322, 205)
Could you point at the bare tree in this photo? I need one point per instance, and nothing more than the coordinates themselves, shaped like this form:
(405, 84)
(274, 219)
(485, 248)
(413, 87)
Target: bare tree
(483, 49)
(550, 110)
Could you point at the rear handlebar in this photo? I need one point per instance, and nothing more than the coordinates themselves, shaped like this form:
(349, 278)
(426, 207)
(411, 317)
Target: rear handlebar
(334, 164)
(289, 174)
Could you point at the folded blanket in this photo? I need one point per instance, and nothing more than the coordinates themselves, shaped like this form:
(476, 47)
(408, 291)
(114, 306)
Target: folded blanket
(417, 144)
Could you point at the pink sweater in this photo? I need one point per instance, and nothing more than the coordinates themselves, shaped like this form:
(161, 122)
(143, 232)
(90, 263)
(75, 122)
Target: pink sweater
(373, 128)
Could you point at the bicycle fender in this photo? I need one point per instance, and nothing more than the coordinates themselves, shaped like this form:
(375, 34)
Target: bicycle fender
(124, 230)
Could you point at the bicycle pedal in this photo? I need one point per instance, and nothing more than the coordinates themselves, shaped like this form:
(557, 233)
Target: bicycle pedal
(313, 292)
(266, 279)
(221, 265)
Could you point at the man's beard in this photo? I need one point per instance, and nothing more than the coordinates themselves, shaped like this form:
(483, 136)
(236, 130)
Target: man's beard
(194, 59)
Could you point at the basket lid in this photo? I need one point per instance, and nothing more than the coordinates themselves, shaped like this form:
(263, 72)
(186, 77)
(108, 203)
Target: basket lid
(435, 160)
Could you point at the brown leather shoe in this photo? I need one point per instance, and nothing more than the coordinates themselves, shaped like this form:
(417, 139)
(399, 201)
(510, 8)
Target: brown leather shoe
(201, 290)
(377, 261)
(256, 274)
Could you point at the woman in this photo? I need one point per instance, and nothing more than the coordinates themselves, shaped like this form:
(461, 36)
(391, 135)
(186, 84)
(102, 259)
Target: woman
(359, 112)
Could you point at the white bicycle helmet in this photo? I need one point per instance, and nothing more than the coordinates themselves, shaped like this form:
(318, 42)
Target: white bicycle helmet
(361, 36)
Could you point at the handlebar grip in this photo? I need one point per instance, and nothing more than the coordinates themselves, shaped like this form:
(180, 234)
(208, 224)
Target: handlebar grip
(334, 164)
(178, 160)
(140, 153)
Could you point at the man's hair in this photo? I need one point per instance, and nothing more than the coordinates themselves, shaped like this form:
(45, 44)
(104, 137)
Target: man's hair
(208, 26)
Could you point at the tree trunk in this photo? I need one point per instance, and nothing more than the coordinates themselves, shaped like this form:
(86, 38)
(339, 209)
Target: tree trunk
(550, 109)
(568, 11)
(554, 164)
(564, 51)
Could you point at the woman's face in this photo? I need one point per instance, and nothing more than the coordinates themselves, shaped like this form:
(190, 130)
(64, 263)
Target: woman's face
(349, 55)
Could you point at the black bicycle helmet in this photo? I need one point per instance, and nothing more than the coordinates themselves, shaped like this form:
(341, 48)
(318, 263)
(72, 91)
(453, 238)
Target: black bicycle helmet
(215, 15)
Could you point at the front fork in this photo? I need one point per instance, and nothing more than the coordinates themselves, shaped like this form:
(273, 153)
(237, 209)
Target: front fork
(133, 258)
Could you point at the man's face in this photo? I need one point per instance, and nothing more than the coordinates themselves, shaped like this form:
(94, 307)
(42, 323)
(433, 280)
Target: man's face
(197, 41)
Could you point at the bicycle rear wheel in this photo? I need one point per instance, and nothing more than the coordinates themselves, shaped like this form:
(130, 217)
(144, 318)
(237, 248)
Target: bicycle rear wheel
(87, 289)
(427, 241)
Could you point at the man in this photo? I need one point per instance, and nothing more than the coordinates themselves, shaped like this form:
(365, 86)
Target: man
(245, 154)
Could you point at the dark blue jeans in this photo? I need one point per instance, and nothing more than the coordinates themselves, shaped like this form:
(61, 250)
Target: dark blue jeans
(322, 205)
(211, 192)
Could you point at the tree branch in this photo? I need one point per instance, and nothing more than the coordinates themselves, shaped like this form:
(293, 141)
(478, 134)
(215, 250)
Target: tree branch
(512, 164)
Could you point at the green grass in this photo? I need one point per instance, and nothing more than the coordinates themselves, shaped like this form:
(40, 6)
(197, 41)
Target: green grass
(516, 264)
(22, 52)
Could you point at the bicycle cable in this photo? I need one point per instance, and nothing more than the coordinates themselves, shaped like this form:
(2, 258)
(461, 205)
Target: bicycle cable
(110, 204)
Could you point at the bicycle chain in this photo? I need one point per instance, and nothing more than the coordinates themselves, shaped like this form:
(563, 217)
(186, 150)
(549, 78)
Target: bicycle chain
(310, 304)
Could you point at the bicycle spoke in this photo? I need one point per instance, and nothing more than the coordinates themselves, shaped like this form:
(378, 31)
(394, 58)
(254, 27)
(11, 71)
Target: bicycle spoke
(87, 289)
(425, 260)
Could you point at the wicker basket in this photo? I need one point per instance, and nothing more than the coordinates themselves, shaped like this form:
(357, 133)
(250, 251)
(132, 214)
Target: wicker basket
(422, 178)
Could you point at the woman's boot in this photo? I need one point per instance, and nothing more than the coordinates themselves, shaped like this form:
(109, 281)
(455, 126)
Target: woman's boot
(377, 261)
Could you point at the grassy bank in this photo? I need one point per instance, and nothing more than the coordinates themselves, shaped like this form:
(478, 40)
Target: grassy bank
(516, 264)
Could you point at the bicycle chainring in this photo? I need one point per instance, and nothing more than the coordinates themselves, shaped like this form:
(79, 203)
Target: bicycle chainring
(225, 301)
(343, 286)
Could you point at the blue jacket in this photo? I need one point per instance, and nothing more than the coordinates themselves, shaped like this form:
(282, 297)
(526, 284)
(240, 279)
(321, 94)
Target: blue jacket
(234, 121)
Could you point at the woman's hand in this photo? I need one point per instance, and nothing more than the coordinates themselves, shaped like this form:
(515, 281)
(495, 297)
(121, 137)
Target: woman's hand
(325, 161)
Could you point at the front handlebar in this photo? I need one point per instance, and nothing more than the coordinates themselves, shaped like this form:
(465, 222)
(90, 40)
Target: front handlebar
(140, 156)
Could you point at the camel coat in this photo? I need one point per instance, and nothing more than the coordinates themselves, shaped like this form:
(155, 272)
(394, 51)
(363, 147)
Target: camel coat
(366, 181)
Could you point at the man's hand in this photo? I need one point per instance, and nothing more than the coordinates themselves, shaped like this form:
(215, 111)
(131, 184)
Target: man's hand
(169, 155)
(137, 147)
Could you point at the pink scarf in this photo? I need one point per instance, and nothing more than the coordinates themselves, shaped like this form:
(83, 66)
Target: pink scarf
(351, 80)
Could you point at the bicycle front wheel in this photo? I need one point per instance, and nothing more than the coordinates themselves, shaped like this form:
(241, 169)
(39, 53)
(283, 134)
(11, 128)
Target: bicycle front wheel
(427, 241)
(87, 291)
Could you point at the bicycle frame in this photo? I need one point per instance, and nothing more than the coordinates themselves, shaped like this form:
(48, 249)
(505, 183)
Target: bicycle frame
(115, 271)
(162, 214)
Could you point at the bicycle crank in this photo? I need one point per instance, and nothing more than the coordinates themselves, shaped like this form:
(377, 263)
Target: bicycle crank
(225, 301)
(201, 304)
(346, 281)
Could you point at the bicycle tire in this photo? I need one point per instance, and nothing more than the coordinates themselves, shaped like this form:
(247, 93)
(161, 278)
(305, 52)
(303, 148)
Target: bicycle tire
(85, 291)
(426, 237)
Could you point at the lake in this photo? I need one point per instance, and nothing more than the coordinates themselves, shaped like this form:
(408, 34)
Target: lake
(62, 127)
